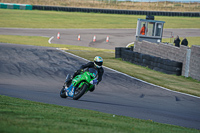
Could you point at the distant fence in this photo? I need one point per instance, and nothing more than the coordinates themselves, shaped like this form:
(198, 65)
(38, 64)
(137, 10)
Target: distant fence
(15, 6)
(116, 11)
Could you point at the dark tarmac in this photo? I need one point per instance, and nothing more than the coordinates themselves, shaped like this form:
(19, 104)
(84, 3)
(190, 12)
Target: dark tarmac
(37, 74)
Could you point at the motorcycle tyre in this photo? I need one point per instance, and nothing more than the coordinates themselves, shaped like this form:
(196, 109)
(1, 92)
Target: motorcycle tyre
(62, 93)
(84, 88)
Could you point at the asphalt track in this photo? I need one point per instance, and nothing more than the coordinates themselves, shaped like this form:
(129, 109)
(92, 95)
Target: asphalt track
(117, 37)
(37, 74)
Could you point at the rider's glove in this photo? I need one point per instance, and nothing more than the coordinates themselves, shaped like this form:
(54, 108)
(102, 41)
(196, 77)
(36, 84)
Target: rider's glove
(79, 71)
(94, 82)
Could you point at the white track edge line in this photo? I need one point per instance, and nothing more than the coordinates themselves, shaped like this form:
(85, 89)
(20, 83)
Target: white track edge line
(129, 44)
(50, 39)
(133, 77)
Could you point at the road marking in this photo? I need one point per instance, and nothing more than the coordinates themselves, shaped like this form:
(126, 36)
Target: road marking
(129, 44)
(131, 76)
(50, 39)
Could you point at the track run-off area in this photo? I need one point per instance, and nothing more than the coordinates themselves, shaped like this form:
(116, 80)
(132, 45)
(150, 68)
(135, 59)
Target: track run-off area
(117, 37)
(38, 73)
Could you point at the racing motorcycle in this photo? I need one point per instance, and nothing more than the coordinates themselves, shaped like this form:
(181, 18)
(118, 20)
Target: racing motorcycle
(79, 85)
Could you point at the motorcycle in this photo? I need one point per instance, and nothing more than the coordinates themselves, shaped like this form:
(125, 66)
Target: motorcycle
(79, 85)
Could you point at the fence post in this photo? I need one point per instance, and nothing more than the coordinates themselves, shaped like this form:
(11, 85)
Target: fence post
(187, 63)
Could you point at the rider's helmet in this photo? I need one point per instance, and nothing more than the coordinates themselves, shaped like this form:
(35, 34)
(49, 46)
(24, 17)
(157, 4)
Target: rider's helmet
(98, 61)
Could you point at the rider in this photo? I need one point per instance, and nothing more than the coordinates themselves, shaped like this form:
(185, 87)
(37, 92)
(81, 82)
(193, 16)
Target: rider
(97, 64)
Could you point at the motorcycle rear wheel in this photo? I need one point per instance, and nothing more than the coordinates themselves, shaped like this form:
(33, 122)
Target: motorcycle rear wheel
(80, 91)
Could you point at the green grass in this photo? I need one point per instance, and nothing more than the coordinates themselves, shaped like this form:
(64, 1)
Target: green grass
(26, 116)
(22, 116)
(53, 19)
(191, 40)
(178, 83)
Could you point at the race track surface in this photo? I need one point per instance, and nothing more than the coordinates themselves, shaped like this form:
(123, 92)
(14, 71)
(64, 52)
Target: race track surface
(37, 74)
(117, 37)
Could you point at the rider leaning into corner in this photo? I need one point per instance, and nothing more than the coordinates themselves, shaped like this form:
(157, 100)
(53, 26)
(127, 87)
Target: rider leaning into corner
(97, 64)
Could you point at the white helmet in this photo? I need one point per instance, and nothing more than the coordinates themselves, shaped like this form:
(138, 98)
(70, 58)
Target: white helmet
(98, 61)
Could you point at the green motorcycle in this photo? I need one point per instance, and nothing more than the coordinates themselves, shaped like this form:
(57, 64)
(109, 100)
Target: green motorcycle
(79, 85)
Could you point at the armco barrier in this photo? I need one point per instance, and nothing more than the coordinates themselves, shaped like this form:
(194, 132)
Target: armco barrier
(156, 63)
(15, 6)
(115, 11)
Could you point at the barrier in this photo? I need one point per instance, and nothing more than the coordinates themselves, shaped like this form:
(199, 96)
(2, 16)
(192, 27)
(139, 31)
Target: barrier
(96, 10)
(115, 11)
(15, 6)
(155, 63)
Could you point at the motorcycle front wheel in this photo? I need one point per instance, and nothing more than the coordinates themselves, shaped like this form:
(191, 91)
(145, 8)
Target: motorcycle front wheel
(80, 91)
(62, 93)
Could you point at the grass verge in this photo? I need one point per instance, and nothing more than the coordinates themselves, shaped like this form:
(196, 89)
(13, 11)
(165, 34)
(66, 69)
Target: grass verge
(173, 82)
(26, 116)
(191, 40)
(29, 117)
(55, 19)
